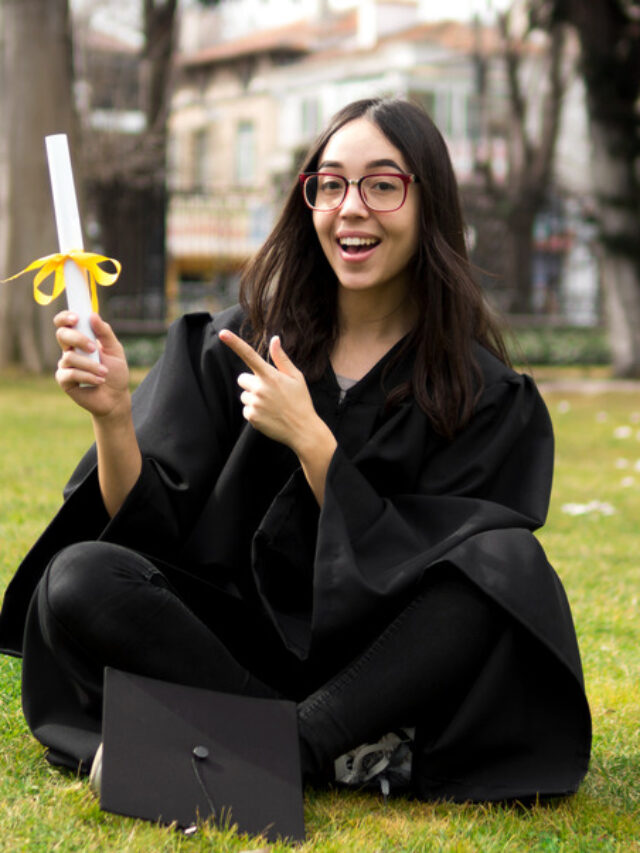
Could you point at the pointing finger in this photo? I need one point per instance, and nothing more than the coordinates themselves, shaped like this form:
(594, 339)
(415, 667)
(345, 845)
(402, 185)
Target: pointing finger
(246, 352)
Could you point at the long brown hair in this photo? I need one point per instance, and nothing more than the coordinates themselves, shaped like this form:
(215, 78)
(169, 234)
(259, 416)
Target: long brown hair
(290, 289)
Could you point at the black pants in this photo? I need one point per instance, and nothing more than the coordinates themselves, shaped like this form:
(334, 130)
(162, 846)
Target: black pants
(103, 605)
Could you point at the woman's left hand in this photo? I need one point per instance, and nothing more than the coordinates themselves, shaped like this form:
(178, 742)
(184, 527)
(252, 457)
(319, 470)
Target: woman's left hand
(275, 397)
(277, 402)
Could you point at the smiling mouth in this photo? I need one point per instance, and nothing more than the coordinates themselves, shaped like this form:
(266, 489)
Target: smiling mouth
(355, 245)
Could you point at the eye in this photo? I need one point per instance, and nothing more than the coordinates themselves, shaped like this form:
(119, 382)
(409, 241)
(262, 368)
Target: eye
(330, 184)
(383, 185)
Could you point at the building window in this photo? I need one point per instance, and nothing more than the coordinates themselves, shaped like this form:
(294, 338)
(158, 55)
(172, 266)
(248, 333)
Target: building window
(310, 117)
(443, 110)
(173, 161)
(474, 117)
(200, 159)
(245, 153)
(426, 100)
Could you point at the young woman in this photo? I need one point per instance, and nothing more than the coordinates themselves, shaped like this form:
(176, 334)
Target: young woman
(326, 494)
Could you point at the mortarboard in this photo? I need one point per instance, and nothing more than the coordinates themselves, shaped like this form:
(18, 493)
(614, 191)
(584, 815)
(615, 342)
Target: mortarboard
(176, 753)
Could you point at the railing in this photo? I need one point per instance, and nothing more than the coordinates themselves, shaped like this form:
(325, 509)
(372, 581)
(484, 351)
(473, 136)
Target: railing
(227, 225)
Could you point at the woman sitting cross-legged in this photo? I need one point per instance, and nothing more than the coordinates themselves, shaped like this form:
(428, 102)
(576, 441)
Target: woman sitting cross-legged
(325, 494)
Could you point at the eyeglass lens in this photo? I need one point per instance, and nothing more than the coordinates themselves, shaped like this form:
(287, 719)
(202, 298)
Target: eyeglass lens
(379, 192)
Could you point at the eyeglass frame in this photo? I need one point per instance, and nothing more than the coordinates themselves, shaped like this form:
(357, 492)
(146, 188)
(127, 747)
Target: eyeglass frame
(406, 178)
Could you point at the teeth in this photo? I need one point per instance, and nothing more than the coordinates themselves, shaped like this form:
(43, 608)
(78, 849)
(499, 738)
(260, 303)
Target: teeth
(358, 241)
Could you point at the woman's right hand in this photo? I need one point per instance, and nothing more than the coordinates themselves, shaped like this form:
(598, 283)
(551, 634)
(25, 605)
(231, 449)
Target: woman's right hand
(108, 380)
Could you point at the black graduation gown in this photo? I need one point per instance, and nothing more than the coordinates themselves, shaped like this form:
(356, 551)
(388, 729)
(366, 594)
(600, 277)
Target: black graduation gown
(221, 499)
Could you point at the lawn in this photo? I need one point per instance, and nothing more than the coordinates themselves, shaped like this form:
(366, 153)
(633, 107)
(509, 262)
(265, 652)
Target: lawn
(593, 539)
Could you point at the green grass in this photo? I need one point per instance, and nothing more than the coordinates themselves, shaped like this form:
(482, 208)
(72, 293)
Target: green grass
(597, 555)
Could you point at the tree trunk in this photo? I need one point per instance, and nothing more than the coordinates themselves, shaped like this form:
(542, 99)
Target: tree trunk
(613, 166)
(614, 183)
(520, 225)
(610, 41)
(530, 156)
(36, 101)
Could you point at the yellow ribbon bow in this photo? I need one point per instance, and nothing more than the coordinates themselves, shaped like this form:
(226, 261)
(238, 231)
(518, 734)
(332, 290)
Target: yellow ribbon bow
(87, 261)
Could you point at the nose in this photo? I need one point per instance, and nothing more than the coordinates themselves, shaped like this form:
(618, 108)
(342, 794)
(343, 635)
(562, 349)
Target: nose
(353, 204)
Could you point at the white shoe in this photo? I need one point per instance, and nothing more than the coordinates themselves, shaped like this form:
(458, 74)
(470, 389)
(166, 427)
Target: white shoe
(95, 777)
(386, 763)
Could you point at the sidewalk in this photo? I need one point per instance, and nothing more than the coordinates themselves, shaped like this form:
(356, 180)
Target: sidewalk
(588, 386)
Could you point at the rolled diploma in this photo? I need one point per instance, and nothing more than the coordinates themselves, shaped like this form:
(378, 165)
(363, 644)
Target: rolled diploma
(65, 206)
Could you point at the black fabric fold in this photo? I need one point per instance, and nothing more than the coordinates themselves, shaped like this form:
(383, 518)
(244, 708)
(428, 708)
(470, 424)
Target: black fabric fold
(227, 505)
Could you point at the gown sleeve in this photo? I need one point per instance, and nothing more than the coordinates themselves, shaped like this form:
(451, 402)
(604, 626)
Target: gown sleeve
(186, 418)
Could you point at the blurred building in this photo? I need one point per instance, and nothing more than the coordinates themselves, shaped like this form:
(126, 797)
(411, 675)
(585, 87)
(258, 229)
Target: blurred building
(250, 97)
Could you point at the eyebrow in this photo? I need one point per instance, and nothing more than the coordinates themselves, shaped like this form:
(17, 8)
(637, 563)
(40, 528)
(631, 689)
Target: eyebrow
(372, 164)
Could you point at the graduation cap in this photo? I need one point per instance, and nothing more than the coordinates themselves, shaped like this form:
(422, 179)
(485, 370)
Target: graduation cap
(176, 753)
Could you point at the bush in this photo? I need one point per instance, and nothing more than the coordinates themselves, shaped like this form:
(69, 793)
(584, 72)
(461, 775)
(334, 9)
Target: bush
(143, 351)
(558, 345)
(543, 345)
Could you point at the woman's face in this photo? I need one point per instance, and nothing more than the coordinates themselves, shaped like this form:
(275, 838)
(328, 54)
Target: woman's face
(367, 250)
